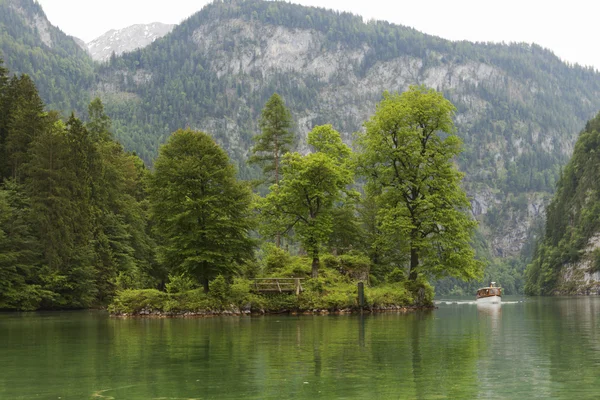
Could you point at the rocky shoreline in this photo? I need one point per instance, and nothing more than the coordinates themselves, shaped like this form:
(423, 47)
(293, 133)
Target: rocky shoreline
(149, 313)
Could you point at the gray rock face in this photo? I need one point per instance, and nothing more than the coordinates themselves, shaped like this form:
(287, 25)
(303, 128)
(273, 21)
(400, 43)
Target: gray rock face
(582, 278)
(127, 39)
(36, 21)
(264, 50)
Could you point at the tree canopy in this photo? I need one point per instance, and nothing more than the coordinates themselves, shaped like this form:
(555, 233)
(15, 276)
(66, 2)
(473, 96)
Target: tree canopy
(406, 155)
(310, 186)
(275, 139)
(201, 212)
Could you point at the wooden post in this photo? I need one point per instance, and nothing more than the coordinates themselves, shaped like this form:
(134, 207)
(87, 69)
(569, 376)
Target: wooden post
(361, 295)
(297, 287)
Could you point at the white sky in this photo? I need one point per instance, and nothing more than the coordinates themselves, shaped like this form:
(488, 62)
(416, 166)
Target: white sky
(569, 29)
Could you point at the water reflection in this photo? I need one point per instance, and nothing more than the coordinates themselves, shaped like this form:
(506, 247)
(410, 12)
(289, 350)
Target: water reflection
(546, 348)
(490, 310)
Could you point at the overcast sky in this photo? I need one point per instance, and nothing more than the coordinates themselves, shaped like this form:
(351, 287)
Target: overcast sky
(568, 28)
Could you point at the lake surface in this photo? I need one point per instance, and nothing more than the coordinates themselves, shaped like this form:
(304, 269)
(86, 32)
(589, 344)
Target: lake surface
(538, 348)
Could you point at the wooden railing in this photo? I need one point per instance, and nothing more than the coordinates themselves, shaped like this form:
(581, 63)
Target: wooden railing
(278, 285)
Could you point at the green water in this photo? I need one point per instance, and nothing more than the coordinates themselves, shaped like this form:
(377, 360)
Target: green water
(540, 348)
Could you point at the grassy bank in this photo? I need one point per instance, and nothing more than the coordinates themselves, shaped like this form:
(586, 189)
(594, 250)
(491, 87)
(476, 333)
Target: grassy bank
(333, 291)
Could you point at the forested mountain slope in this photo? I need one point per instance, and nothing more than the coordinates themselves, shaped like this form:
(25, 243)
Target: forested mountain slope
(518, 105)
(567, 258)
(29, 44)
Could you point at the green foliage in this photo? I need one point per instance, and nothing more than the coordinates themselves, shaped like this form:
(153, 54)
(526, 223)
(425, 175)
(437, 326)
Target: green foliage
(573, 216)
(19, 257)
(309, 188)
(275, 138)
(201, 212)
(389, 295)
(279, 263)
(239, 292)
(219, 288)
(75, 220)
(406, 156)
(131, 301)
(397, 275)
(179, 283)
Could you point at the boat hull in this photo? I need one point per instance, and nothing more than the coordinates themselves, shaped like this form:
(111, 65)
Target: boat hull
(489, 300)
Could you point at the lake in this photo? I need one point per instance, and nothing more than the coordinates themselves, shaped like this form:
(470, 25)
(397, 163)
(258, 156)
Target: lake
(534, 348)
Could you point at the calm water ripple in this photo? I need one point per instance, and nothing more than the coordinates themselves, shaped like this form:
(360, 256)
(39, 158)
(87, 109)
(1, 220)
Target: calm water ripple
(537, 348)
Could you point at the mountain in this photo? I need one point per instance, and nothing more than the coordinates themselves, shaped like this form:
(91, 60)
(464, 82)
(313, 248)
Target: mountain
(518, 105)
(123, 40)
(30, 44)
(567, 259)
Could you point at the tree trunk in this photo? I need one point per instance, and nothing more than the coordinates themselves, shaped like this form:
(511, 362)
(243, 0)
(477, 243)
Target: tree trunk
(205, 284)
(315, 267)
(414, 263)
(278, 235)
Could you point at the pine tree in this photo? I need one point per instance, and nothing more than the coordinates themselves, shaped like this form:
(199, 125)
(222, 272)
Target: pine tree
(58, 184)
(19, 253)
(122, 247)
(26, 120)
(275, 138)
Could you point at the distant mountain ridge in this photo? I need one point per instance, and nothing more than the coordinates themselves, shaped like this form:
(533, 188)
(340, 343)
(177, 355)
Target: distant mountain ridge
(119, 41)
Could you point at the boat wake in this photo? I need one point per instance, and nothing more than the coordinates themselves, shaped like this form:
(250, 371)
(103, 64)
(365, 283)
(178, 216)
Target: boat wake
(462, 302)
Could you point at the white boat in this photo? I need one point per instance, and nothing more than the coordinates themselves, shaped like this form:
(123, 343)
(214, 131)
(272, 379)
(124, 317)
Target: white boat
(489, 295)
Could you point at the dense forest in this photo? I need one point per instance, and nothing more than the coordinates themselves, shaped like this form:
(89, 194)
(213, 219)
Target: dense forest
(73, 214)
(572, 224)
(518, 105)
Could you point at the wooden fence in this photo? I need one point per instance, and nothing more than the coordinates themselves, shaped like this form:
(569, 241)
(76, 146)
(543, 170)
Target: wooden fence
(278, 285)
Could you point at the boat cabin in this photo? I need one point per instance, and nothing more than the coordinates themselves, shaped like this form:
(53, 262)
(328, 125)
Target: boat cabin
(489, 291)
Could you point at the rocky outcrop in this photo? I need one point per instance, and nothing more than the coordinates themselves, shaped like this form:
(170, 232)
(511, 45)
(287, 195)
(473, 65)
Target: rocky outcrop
(119, 41)
(583, 277)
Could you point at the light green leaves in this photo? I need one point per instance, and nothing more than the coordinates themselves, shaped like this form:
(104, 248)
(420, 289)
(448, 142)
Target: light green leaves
(406, 155)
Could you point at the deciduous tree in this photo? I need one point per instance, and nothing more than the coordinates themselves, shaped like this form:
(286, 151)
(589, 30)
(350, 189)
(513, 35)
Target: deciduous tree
(407, 153)
(201, 212)
(310, 186)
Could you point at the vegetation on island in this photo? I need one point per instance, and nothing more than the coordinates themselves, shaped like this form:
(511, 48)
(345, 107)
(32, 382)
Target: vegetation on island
(85, 224)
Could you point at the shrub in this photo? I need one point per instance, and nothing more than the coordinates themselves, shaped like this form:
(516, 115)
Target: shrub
(240, 292)
(135, 300)
(219, 288)
(397, 275)
(180, 283)
(192, 300)
(276, 258)
(388, 295)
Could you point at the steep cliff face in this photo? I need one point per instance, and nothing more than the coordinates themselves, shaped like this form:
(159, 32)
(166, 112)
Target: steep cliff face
(567, 258)
(582, 277)
(119, 41)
